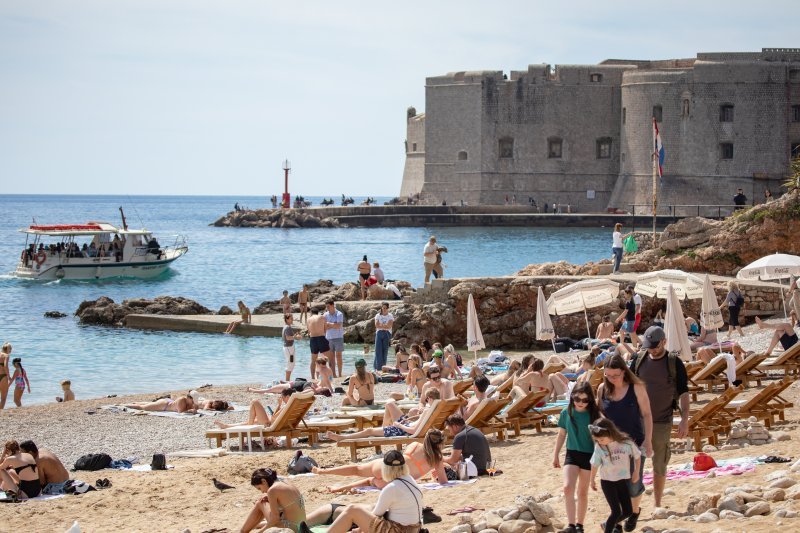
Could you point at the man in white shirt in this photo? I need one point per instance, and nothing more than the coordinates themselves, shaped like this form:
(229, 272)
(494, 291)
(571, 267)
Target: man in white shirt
(429, 258)
(378, 273)
(637, 300)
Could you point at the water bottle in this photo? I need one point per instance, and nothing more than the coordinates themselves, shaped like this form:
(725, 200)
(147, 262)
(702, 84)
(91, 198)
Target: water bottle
(461, 469)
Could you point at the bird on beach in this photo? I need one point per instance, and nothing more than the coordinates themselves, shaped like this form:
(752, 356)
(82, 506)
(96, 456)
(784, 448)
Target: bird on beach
(220, 485)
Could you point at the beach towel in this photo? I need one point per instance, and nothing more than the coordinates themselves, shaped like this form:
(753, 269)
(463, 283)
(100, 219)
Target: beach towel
(166, 414)
(207, 453)
(427, 486)
(147, 468)
(725, 467)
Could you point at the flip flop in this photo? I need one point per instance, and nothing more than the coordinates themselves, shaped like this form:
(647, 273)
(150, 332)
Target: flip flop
(466, 509)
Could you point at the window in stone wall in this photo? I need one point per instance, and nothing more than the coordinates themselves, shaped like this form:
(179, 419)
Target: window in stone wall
(658, 113)
(685, 109)
(595, 78)
(624, 112)
(554, 145)
(726, 150)
(462, 155)
(413, 147)
(796, 113)
(506, 148)
(726, 113)
(604, 148)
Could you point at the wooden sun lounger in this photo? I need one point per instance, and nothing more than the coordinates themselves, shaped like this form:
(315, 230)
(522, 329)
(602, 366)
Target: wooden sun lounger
(287, 423)
(505, 387)
(435, 418)
(764, 405)
(708, 421)
(521, 414)
(708, 376)
(460, 387)
(747, 370)
(484, 417)
(788, 361)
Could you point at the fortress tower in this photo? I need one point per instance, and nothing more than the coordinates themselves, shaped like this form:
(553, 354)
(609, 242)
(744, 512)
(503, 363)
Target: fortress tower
(582, 134)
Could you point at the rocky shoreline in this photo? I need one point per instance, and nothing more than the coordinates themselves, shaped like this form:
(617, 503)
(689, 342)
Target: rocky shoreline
(275, 218)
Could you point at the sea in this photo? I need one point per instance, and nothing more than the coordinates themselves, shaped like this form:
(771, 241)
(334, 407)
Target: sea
(223, 265)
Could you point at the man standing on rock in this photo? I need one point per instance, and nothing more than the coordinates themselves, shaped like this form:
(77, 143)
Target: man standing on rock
(319, 344)
(667, 387)
(431, 260)
(334, 333)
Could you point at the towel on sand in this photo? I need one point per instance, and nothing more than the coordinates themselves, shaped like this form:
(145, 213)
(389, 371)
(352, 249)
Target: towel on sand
(427, 486)
(725, 467)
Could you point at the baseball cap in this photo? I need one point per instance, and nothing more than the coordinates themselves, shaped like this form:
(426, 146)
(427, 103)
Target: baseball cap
(394, 458)
(360, 362)
(652, 337)
(438, 353)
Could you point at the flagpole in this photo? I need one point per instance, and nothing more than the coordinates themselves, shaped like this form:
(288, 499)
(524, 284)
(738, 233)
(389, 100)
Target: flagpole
(655, 185)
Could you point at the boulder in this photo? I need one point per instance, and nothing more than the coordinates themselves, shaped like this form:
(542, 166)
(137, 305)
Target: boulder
(782, 483)
(541, 512)
(660, 513)
(462, 528)
(731, 503)
(54, 314)
(775, 495)
(730, 515)
(480, 525)
(513, 515)
(104, 311)
(700, 504)
(756, 508)
(786, 513)
(706, 517)
(225, 310)
(519, 526)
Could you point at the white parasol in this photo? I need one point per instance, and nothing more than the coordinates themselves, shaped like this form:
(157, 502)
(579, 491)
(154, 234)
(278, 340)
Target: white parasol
(544, 326)
(675, 326)
(581, 296)
(684, 285)
(710, 315)
(474, 335)
(775, 266)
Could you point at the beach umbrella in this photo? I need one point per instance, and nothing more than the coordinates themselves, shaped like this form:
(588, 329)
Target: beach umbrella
(771, 267)
(675, 326)
(583, 295)
(684, 285)
(474, 335)
(710, 315)
(544, 326)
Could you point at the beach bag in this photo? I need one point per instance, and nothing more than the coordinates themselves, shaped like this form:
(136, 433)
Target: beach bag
(76, 487)
(472, 470)
(561, 347)
(93, 461)
(629, 245)
(159, 462)
(739, 299)
(703, 462)
(301, 464)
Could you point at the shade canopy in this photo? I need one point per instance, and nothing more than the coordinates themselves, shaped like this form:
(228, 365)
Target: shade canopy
(474, 335)
(775, 266)
(675, 326)
(710, 314)
(582, 295)
(683, 284)
(544, 326)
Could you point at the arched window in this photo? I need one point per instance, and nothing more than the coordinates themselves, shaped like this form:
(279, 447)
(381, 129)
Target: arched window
(554, 147)
(462, 155)
(506, 148)
(685, 108)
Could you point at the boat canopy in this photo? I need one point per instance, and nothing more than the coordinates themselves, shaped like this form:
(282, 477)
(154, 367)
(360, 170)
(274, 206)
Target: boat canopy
(90, 228)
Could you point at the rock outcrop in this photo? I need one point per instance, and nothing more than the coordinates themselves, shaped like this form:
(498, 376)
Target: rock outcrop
(275, 218)
(104, 311)
(324, 289)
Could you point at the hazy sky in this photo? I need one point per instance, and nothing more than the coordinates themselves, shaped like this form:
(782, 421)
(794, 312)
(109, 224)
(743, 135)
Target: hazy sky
(201, 97)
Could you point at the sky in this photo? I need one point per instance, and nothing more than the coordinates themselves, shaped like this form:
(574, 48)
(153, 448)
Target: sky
(209, 97)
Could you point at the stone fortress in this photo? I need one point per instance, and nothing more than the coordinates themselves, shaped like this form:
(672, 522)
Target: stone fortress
(582, 134)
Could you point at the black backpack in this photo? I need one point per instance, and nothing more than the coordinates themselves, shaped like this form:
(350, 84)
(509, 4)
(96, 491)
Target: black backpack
(93, 461)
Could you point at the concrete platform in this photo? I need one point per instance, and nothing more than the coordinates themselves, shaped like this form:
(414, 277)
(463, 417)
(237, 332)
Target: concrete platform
(261, 325)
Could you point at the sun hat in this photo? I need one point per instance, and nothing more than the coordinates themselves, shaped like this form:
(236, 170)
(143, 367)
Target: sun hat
(394, 458)
(360, 362)
(652, 337)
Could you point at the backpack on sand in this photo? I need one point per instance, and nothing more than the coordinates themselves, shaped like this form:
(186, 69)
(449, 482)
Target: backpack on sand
(93, 461)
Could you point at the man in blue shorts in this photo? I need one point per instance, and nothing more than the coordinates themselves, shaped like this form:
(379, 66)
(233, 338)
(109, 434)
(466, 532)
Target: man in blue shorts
(334, 333)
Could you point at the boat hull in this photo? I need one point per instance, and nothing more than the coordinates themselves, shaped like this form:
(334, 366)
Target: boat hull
(96, 268)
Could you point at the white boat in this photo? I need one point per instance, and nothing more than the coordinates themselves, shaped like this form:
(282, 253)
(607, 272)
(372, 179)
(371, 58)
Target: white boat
(95, 250)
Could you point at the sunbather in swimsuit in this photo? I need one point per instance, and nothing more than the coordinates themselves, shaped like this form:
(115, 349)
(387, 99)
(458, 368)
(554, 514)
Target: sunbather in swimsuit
(31, 487)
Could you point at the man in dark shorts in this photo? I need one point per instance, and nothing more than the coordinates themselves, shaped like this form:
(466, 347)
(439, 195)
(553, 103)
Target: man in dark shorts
(319, 344)
(784, 333)
(467, 442)
(52, 474)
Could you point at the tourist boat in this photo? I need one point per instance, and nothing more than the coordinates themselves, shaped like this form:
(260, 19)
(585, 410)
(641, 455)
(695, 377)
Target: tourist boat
(95, 250)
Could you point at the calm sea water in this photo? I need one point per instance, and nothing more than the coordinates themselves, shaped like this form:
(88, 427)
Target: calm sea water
(223, 265)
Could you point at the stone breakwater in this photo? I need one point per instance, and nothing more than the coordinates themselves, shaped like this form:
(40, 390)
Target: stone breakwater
(276, 218)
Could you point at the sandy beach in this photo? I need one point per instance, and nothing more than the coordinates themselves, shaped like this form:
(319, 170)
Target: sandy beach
(183, 498)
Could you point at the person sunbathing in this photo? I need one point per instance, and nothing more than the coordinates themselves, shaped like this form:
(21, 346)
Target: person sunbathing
(395, 423)
(214, 405)
(535, 379)
(784, 333)
(513, 368)
(281, 504)
(361, 388)
(709, 356)
(324, 374)
(706, 338)
(244, 311)
(400, 362)
(259, 415)
(422, 459)
(298, 385)
(450, 368)
(435, 381)
(585, 364)
(604, 332)
(184, 404)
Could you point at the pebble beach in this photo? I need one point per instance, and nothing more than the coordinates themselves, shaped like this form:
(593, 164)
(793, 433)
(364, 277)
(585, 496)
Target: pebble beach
(183, 498)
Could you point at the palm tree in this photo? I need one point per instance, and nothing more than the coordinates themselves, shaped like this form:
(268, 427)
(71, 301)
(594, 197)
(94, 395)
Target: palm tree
(793, 179)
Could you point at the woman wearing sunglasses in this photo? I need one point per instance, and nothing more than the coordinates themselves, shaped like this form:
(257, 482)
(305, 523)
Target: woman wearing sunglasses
(573, 424)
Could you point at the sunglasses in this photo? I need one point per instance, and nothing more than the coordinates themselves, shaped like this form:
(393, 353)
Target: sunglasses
(613, 376)
(580, 399)
(435, 376)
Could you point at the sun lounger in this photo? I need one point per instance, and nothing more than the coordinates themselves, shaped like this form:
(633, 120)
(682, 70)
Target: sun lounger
(460, 387)
(484, 417)
(434, 419)
(521, 414)
(287, 423)
(764, 405)
(708, 376)
(505, 387)
(708, 421)
(788, 361)
(747, 370)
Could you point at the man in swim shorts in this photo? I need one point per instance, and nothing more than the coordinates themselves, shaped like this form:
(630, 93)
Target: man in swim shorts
(319, 344)
(334, 333)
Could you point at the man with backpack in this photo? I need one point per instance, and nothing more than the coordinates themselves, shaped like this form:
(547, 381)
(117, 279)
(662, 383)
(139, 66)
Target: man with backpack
(668, 389)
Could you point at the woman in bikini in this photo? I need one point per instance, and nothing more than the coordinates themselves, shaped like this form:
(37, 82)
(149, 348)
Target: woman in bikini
(5, 373)
(244, 311)
(535, 379)
(499, 379)
(18, 475)
(361, 390)
(281, 504)
(421, 458)
(400, 362)
(184, 404)
(450, 369)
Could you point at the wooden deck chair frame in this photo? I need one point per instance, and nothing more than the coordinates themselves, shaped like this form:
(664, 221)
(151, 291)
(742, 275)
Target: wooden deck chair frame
(520, 414)
(505, 387)
(460, 387)
(747, 369)
(285, 424)
(440, 410)
(766, 404)
(788, 361)
(708, 375)
(485, 417)
(707, 422)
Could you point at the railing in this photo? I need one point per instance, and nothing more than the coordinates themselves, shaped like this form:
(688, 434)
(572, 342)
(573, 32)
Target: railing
(718, 211)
